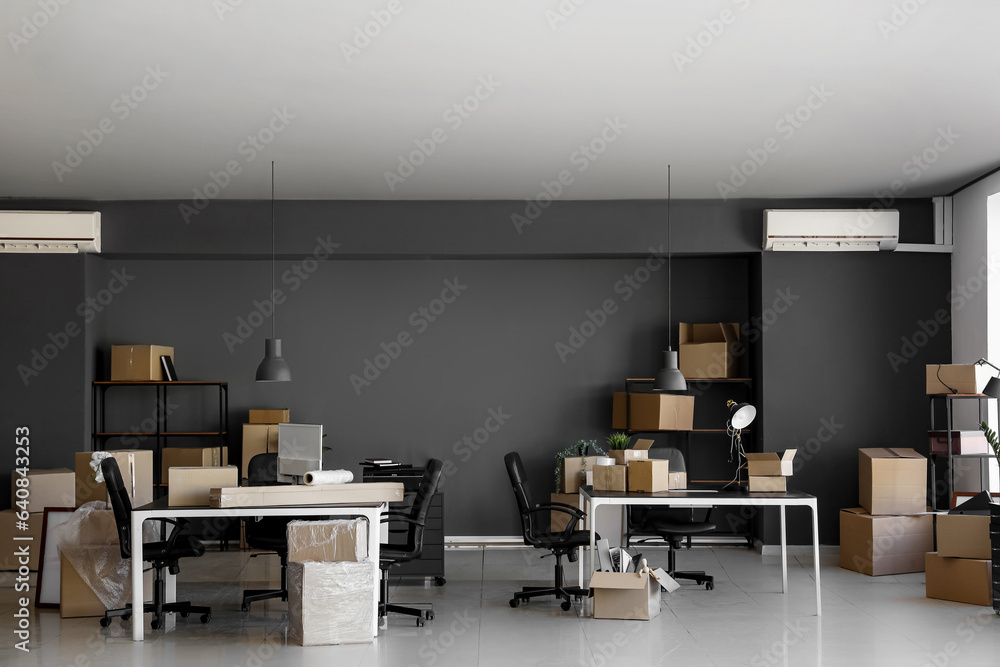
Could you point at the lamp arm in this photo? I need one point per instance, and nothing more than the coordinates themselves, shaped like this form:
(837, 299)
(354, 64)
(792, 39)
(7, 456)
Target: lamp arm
(983, 361)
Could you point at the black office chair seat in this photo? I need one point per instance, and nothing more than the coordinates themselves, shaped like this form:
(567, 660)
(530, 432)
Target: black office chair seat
(673, 531)
(661, 526)
(567, 545)
(186, 546)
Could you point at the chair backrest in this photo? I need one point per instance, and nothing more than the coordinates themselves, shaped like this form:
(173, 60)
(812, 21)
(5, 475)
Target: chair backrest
(262, 470)
(421, 506)
(519, 482)
(120, 503)
(675, 456)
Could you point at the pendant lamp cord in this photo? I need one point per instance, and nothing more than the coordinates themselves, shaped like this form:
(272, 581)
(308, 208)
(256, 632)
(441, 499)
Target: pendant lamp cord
(670, 277)
(274, 313)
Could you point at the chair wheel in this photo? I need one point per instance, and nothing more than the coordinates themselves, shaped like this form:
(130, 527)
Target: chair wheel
(430, 616)
(566, 604)
(420, 622)
(184, 614)
(440, 581)
(245, 606)
(125, 617)
(155, 624)
(105, 621)
(514, 602)
(710, 586)
(205, 618)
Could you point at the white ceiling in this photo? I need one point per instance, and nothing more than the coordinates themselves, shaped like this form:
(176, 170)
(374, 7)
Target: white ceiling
(894, 90)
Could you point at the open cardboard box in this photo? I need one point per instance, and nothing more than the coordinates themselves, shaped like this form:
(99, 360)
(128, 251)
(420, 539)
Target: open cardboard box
(963, 378)
(653, 412)
(769, 464)
(640, 450)
(708, 350)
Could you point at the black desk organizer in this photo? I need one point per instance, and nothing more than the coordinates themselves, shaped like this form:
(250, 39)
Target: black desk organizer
(431, 561)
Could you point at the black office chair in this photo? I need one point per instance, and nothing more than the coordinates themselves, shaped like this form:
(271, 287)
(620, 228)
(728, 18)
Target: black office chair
(671, 525)
(160, 554)
(266, 532)
(538, 534)
(395, 553)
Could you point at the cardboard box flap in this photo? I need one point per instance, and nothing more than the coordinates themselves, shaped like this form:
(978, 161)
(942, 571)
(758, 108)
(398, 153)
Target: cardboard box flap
(642, 444)
(715, 332)
(760, 456)
(854, 510)
(616, 580)
(788, 455)
(891, 453)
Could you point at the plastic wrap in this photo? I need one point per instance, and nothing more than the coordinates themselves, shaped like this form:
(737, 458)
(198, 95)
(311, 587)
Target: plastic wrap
(328, 477)
(331, 603)
(89, 541)
(331, 540)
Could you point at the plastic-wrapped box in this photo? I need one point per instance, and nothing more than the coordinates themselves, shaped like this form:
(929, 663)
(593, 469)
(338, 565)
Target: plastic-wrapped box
(328, 541)
(331, 603)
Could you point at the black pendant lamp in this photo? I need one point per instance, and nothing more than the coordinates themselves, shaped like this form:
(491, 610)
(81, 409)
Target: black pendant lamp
(273, 368)
(669, 378)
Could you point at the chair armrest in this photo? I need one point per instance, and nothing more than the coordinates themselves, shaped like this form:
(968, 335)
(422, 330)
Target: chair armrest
(400, 518)
(178, 523)
(560, 507)
(572, 507)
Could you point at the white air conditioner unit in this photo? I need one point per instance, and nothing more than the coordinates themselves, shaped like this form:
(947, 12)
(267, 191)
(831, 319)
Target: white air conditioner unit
(817, 230)
(50, 231)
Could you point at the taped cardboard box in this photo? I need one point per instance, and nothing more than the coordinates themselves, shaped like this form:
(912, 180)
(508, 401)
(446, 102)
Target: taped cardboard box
(191, 486)
(625, 595)
(967, 580)
(138, 362)
(257, 439)
(708, 350)
(270, 416)
(649, 475)
(770, 464)
(878, 545)
(192, 457)
(678, 480)
(892, 480)
(327, 541)
(330, 603)
(46, 488)
(962, 442)
(575, 469)
(610, 478)
(78, 600)
(10, 548)
(640, 450)
(962, 378)
(653, 412)
(963, 536)
(319, 494)
(136, 466)
(559, 520)
(767, 484)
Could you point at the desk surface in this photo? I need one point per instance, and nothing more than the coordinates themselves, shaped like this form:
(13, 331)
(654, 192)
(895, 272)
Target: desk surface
(705, 495)
(163, 504)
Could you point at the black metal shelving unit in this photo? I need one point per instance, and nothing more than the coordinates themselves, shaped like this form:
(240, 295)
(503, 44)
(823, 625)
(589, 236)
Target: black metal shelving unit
(949, 399)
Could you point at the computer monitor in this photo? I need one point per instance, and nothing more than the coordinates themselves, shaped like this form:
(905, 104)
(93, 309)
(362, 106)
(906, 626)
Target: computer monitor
(300, 450)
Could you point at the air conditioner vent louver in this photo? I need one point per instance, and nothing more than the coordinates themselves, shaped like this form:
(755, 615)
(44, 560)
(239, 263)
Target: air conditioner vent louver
(815, 230)
(50, 231)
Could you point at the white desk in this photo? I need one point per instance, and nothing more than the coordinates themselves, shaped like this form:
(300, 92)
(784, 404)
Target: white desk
(590, 500)
(160, 509)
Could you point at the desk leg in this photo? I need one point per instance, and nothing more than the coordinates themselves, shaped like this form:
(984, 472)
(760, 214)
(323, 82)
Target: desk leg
(374, 517)
(815, 521)
(579, 552)
(138, 618)
(784, 553)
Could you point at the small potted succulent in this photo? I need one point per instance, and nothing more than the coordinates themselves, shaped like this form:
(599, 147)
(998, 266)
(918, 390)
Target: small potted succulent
(618, 442)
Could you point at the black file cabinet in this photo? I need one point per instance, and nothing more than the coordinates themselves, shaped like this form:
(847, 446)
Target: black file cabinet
(431, 561)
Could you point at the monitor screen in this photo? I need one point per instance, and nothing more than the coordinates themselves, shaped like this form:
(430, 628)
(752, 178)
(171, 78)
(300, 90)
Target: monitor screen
(300, 450)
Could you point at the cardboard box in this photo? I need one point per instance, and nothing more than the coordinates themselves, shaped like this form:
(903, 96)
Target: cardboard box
(190, 486)
(257, 439)
(963, 378)
(877, 545)
(575, 469)
(270, 416)
(335, 540)
(319, 494)
(9, 546)
(963, 536)
(610, 478)
(708, 350)
(192, 457)
(770, 464)
(136, 466)
(966, 580)
(625, 595)
(678, 480)
(892, 481)
(962, 442)
(46, 488)
(559, 520)
(640, 450)
(653, 412)
(767, 483)
(138, 362)
(330, 603)
(78, 600)
(649, 475)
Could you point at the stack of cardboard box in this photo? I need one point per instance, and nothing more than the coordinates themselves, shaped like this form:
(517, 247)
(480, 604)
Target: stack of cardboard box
(136, 467)
(43, 488)
(260, 434)
(891, 532)
(767, 471)
(961, 568)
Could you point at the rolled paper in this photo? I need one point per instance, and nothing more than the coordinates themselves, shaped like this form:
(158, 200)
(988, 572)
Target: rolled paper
(328, 477)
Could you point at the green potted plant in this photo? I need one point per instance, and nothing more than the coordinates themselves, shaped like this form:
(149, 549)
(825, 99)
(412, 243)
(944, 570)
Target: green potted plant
(618, 442)
(574, 458)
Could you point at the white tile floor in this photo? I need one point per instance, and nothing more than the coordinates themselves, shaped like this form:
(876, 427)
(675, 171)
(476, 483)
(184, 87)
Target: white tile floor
(744, 621)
